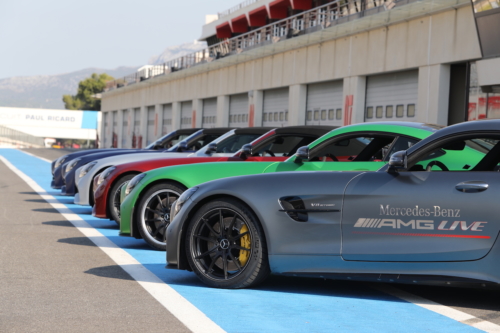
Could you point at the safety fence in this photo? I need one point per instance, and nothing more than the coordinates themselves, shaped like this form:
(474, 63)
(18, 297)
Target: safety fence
(236, 8)
(11, 138)
(333, 13)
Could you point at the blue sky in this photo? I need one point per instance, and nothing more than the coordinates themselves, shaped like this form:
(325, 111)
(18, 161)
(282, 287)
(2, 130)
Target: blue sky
(46, 37)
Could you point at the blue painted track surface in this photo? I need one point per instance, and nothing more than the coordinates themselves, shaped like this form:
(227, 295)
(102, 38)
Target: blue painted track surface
(281, 304)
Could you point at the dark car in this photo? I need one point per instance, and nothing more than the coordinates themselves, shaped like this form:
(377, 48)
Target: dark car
(163, 143)
(418, 219)
(188, 145)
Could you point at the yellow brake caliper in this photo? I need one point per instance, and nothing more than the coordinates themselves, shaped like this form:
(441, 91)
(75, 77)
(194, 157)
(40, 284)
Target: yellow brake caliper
(244, 242)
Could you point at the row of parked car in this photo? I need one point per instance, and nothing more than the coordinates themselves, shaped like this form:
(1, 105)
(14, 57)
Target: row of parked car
(407, 199)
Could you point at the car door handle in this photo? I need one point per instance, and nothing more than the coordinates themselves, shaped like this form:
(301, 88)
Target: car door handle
(472, 187)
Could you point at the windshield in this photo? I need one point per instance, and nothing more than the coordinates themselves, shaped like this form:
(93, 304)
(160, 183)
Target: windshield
(167, 141)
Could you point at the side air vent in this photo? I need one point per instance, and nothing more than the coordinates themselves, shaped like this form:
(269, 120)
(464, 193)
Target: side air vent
(295, 208)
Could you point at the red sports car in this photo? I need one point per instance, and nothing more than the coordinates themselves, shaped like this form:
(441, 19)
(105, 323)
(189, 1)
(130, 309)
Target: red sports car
(276, 145)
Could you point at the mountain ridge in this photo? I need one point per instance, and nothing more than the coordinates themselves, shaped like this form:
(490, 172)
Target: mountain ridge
(46, 91)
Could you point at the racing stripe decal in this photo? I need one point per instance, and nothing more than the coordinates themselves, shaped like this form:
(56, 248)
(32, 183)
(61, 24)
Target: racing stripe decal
(418, 235)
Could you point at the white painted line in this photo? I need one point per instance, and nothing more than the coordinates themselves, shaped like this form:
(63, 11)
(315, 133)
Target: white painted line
(441, 309)
(43, 159)
(180, 307)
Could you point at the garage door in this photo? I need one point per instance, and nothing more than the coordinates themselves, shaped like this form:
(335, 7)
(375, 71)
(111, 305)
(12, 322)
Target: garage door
(166, 126)
(151, 125)
(275, 110)
(392, 96)
(324, 103)
(209, 118)
(238, 110)
(186, 113)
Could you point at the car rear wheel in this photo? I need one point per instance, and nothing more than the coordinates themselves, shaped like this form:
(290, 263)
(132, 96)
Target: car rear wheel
(154, 212)
(113, 201)
(225, 246)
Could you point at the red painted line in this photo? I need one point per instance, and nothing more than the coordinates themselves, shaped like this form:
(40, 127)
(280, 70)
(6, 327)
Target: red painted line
(418, 235)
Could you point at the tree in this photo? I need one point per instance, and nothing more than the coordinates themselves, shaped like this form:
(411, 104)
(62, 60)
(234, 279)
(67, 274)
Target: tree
(83, 100)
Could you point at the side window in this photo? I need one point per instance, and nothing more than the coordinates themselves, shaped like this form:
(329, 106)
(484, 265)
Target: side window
(234, 143)
(465, 154)
(284, 145)
(402, 143)
(203, 142)
(356, 148)
(174, 140)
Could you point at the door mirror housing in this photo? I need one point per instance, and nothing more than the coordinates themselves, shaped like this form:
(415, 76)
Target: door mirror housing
(246, 151)
(211, 148)
(183, 146)
(302, 154)
(398, 161)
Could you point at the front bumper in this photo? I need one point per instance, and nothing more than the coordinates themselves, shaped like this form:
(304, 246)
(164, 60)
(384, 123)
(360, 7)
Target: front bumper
(82, 194)
(69, 189)
(100, 201)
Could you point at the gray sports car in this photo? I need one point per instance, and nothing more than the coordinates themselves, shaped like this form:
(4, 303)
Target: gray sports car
(413, 221)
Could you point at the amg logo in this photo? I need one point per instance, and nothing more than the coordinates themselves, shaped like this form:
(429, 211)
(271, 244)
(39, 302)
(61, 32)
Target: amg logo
(417, 211)
(321, 205)
(417, 224)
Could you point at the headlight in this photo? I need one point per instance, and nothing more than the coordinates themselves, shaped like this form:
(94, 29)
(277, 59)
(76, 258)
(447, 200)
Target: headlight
(177, 205)
(60, 161)
(133, 183)
(72, 164)
(105, 174)
(86, 169)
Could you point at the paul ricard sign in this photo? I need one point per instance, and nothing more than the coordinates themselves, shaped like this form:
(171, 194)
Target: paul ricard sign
(48, 118)
(50, 123)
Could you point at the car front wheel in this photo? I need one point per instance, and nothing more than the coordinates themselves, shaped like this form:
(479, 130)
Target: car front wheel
(154, 212)
(225, 246)
(113, 201)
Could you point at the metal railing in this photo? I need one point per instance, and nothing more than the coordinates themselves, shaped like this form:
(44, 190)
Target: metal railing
(336, 12)
(11, 137)
(236, 8)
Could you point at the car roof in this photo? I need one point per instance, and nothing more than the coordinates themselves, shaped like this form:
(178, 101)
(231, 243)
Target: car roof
(306, 129)
(187, 130)
(468, 126)
(217, 130)
(253, 130)
(412, 124)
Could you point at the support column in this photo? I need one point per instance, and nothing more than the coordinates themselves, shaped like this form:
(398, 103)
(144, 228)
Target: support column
(255, 106)
(223, 111)
(198, 112)
(433, 94)
(176, 116)
(297, 103)
(354, 100)
(119, 124)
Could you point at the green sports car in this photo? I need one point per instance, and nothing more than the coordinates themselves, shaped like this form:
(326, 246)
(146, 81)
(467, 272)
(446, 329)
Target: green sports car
(148, 197)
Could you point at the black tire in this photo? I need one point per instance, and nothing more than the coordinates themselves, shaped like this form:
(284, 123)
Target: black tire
(113, 201)
(235, 258)
(153, 212)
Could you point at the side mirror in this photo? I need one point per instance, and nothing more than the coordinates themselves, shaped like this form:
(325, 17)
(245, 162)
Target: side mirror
(211, 148)
(246, 151)
(302, 154)
(183, 146)
(158, 146)
(398, 161)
